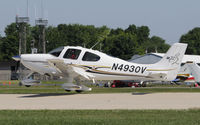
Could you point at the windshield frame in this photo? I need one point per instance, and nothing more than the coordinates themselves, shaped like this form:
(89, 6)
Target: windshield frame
(56, 52)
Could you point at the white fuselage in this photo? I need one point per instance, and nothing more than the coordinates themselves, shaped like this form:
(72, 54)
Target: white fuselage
(100, 66)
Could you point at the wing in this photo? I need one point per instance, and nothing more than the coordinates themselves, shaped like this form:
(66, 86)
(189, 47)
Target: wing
(81, 72)
(59, 65)
(69, 70)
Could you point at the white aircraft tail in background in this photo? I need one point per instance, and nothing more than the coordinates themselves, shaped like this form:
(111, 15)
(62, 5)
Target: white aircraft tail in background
(171, 61)
(194, 70)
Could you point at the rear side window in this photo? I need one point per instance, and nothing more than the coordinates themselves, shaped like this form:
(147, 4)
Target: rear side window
(90, 57)
(72, 54)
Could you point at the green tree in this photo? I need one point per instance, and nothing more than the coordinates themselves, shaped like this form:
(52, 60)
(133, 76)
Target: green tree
(116, 42)
(143, 34)
(132, 29)
(9, 43)
(9, 47)
(156, 44)
(53, 38)
(116, 31)
(123, 45)
(75, 35)
(1, 40)
(192, 38)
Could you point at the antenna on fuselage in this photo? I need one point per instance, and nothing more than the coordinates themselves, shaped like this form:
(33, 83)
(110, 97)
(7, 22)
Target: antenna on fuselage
(84, 45)
(95, 44)
(101, 38)
(100, 47)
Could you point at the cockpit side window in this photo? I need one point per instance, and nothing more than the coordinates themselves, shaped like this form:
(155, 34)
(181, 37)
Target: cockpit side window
(90, 57)
(56, 52)
(72, 54)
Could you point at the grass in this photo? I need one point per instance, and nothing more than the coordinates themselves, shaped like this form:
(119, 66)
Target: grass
(100, 117)
(55, 87)
(58, 89)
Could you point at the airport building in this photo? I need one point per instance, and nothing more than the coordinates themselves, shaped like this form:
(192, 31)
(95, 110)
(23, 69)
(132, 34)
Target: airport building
(8, 70)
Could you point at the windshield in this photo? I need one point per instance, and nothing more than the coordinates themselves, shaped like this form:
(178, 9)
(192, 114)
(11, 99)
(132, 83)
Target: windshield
(56, 52)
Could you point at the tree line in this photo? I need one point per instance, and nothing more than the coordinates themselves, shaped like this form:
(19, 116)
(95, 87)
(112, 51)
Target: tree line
(121, 43)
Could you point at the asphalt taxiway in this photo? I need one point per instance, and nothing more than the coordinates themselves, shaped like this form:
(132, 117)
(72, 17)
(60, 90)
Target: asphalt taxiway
(101, 101)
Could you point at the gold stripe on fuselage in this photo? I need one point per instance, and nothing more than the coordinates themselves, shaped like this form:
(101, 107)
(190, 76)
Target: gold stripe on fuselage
(97, 66)
(159, 69)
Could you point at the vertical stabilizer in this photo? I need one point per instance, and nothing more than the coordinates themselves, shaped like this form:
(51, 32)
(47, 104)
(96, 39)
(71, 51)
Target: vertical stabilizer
(174, 56)
(170, 63)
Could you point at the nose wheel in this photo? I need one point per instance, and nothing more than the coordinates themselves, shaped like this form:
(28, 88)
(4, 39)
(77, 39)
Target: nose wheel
(67, 90)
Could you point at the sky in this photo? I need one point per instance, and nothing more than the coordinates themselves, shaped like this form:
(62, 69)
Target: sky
(168, 19)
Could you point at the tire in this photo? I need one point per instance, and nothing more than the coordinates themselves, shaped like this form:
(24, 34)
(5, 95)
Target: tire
(68, 90)
(144, 85)
(79, 91)
(28, 85)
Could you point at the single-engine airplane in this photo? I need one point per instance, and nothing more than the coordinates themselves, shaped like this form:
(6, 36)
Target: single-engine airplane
(76, 63)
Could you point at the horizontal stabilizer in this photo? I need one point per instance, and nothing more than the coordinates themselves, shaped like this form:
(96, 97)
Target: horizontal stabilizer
(158, 75)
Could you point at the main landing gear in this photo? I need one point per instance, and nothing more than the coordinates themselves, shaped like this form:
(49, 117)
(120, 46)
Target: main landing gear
(78, 88)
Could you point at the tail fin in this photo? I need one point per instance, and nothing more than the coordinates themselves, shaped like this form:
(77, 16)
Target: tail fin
(194, 70)
(174, 56)
(170, 63)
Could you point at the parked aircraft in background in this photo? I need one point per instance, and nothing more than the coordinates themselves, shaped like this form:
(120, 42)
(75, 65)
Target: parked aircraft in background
(184, 79)
(190, 73)
(77, 63)
(194, 70)
(184, 75)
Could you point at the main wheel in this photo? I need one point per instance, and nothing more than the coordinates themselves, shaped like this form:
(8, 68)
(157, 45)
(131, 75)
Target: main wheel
(28, 85)
(79, 91)
(68, 90)
(144, 85)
